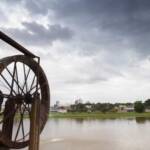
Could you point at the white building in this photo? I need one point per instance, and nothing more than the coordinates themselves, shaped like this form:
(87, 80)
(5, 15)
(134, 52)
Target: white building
(124, 108)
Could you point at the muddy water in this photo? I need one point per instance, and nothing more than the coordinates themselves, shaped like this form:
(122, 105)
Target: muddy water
(119, 134)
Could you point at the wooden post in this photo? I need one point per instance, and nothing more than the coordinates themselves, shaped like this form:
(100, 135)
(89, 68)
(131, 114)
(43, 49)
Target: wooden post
(7, 128)
(35, 125)
(8, 123)
(3, 147)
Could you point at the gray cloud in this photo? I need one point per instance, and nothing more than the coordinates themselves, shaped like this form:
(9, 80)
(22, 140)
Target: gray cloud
(3, 18)
(37, 7)
(37, 34)
(119, 24)
(93, 74)
(110, 40)
(110, 24)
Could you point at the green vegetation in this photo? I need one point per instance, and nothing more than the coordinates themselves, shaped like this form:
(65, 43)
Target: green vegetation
(147, 104)
(139, 107)
(91, 107)
(98, 115)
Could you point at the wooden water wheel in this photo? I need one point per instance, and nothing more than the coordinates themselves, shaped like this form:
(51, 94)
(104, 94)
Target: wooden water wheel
(21, 80)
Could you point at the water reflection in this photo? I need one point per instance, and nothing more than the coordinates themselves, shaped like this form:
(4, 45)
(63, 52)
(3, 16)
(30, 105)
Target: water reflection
(140, 120)
(80, 120)
(94, 134)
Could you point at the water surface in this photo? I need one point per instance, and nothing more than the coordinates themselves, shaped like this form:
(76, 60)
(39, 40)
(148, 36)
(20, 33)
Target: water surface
(78, 134)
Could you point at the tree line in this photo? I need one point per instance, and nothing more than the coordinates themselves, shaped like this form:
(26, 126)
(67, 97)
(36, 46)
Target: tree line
(139, 106)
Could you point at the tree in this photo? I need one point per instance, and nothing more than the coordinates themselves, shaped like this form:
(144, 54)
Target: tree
(147, 103)
(102, 107)
(139, 107)
(79, 108)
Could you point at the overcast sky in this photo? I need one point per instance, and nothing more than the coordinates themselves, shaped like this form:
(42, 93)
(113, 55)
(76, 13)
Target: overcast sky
(96, 50)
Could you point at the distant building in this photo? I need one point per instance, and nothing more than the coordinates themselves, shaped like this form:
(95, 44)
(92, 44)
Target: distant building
(62, 109)
(58, 108)
(147, 110)
(124, 108)
(53, 109)
(88, 107)
(57, 104)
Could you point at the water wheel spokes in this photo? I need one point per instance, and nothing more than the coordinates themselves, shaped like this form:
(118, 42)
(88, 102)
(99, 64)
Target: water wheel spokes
(19, 76)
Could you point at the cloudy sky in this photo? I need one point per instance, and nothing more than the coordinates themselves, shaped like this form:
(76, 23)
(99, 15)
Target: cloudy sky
(97, 50)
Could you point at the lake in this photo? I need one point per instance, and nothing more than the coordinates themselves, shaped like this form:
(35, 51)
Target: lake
(79, 134)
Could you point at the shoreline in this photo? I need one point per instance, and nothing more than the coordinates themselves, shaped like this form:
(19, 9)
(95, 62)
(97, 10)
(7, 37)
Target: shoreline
(99, 115)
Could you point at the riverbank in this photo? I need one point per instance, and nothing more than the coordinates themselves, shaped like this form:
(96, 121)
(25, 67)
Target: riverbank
(99, 115)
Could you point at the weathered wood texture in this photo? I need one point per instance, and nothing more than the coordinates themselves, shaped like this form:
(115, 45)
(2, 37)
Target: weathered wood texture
(35, 125)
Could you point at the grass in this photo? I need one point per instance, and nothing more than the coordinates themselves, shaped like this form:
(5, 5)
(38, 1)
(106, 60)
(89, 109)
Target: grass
(99, 115)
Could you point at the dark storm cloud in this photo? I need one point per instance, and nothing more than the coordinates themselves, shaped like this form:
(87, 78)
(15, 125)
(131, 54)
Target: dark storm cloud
(37, 7)
(37, 34)
(107, 12)
(121, 28)
(119, 24)
(110, 14)
(119, 20)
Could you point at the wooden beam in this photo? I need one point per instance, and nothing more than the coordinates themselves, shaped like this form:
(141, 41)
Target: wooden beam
(16, 45)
